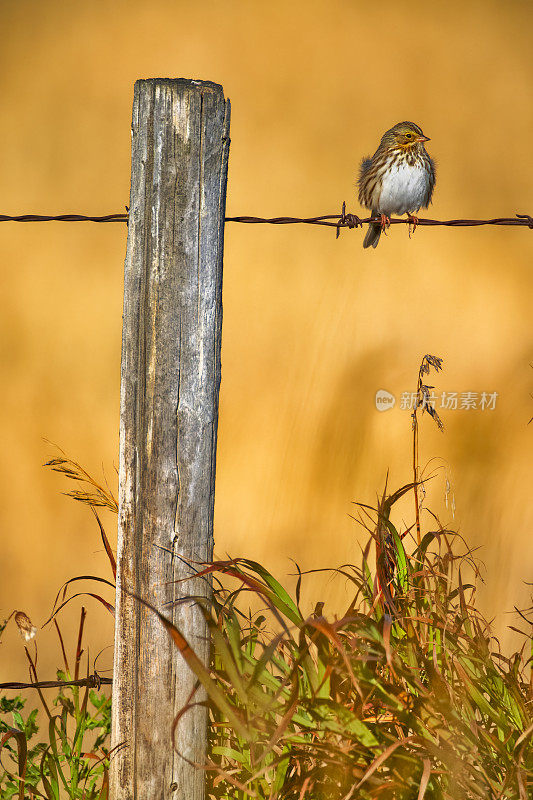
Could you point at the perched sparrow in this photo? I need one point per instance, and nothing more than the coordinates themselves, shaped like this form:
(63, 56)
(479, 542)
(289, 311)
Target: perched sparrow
(399, 178)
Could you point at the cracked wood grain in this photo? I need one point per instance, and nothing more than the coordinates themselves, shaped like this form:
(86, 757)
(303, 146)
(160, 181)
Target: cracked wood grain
(170, 380)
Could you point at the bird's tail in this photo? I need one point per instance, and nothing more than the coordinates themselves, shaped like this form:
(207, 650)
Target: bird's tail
(373, 233)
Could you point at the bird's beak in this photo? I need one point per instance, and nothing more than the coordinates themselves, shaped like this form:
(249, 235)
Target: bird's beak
(423, 139)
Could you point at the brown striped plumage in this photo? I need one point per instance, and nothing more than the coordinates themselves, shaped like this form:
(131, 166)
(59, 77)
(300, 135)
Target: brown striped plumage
(399, 178)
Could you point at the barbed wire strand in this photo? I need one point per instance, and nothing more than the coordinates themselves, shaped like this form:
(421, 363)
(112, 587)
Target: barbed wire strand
(93, 681)
(62, 218)
(337, 221)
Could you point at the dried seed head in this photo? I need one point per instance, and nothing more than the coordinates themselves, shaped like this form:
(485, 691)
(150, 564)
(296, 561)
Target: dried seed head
(430, 361)
(432, 412)
(26, 629)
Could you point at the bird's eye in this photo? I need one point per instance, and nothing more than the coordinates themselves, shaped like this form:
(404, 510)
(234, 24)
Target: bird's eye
(408, 135)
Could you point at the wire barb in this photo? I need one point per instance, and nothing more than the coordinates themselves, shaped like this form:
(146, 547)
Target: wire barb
(528, 218)
(347, 220)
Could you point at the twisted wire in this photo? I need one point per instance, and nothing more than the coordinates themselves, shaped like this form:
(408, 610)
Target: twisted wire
(337, 221)
(93, 681)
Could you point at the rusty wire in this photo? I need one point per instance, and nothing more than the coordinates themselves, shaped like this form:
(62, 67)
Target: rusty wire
(337, 221)
(93, 681)
(63, 218)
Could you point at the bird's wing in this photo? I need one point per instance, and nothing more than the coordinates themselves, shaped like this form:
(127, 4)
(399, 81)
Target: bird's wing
(365, 170)
(366, 163)
(432, 180)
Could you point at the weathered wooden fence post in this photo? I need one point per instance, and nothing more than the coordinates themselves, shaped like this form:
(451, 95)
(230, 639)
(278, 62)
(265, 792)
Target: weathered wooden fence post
(168, 427)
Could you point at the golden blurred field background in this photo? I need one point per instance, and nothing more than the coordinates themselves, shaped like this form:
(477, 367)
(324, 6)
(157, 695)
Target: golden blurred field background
(313, 326)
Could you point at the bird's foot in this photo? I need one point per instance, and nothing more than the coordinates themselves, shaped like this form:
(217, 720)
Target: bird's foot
(384, 222)
(412, 221)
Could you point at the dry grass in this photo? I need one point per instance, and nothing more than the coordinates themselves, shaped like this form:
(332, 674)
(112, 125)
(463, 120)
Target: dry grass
(404, 695)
